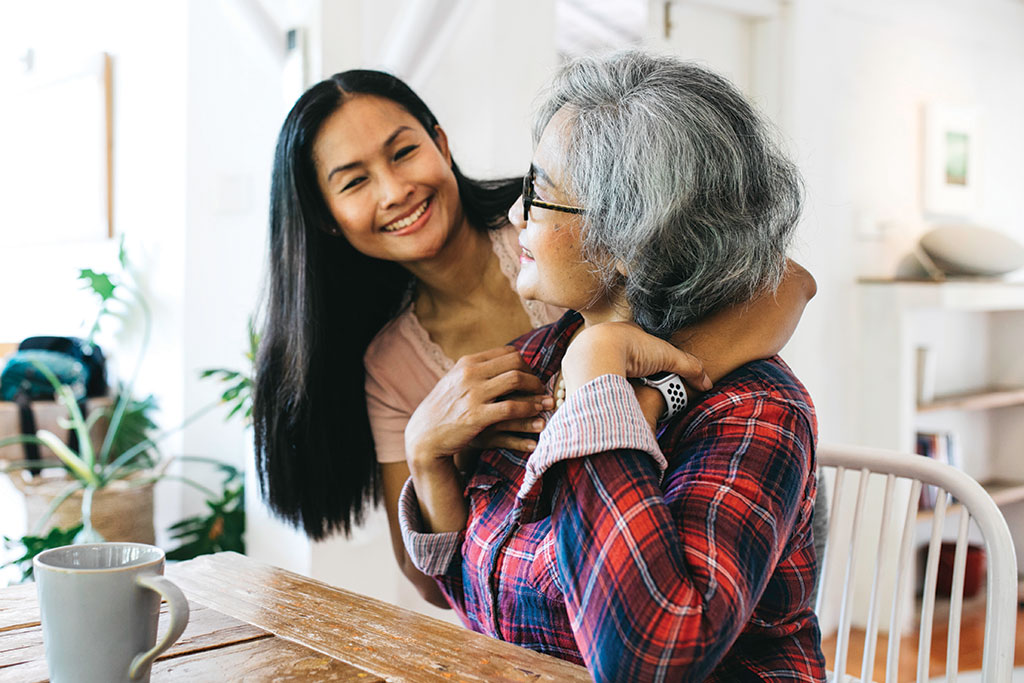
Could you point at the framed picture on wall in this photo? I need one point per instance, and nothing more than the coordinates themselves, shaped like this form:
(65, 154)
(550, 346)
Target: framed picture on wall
(56, 179)
(951, 160)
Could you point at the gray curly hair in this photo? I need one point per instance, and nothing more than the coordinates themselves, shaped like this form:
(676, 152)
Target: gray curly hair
(681, 180)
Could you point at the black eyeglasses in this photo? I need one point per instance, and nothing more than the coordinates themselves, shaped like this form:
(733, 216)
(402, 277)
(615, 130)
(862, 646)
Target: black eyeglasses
(530, 199)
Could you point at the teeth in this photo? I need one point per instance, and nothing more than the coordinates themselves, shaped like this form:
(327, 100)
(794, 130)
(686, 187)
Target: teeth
(408, 220)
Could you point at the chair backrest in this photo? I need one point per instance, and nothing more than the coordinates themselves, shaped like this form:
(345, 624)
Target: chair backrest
(903, 475)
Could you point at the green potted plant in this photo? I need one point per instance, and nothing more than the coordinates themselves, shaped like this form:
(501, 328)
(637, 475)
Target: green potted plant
(115, 479)
(114, 445)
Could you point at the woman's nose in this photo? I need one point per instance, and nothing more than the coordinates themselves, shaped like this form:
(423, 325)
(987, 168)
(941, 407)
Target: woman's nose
(394, 189)
(515, 213)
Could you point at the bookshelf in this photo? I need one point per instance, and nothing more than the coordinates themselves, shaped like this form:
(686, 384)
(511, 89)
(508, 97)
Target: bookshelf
(974, 327)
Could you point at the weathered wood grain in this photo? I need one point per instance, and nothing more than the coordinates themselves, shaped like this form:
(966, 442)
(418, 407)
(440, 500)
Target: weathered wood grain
(23, 659)
(385, 640)
(208, 629)
(21, 655)
(267, 659)
(254, 622)
(19, 607)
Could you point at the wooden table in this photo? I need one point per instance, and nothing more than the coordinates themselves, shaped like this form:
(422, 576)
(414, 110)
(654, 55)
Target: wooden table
(250, 621)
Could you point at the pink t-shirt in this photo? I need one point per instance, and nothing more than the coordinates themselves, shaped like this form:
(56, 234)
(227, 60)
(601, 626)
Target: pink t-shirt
(403, 364)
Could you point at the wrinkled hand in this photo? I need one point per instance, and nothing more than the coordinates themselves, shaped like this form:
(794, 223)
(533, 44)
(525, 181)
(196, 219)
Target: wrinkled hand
(488, 399)
(623, 348)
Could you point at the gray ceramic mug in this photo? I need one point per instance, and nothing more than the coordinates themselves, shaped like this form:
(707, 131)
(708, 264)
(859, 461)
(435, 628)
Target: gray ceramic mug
(100, 606)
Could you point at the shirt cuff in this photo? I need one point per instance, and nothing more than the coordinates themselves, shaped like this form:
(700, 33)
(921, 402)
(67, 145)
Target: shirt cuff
(431, 553)
(602, 415)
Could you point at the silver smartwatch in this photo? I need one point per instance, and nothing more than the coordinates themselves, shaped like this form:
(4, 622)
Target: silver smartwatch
(672, 389)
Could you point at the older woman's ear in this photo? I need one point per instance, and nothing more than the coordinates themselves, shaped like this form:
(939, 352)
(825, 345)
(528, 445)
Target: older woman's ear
(621, 268)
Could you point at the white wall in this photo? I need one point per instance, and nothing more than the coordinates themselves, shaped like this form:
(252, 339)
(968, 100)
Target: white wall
(233, 109)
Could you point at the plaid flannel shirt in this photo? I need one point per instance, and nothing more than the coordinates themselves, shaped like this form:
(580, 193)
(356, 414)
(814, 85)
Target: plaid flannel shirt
(686, 558)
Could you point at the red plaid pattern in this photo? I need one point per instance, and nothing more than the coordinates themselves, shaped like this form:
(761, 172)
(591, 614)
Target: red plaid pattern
(588, 552)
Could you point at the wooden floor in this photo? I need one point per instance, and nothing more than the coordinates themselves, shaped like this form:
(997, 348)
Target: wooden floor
(972, 632)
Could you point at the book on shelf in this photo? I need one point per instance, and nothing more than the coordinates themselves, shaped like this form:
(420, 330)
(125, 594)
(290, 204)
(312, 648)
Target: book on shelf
(944, 447)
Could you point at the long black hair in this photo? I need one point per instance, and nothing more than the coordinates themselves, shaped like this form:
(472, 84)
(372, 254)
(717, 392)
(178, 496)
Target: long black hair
(324, 302)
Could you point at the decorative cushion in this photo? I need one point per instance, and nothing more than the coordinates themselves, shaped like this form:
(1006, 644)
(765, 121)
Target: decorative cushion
(972, 250)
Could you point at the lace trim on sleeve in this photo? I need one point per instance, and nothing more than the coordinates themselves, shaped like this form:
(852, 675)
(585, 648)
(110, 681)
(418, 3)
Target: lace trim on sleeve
(505, 244)
(409, 325)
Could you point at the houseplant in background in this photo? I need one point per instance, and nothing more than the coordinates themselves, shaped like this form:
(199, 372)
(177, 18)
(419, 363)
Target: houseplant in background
(101, 481)
(106, 491)
(223, 527)
(97, 485)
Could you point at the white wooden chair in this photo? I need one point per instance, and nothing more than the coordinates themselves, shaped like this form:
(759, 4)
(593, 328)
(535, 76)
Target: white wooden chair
(903, 475)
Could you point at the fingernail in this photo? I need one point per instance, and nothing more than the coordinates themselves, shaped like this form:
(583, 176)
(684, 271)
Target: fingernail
(707, 383)
(530, 446)
(537, 424)
(547, 403)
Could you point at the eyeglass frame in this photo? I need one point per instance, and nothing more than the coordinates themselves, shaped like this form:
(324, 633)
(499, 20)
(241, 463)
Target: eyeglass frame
(530, 199)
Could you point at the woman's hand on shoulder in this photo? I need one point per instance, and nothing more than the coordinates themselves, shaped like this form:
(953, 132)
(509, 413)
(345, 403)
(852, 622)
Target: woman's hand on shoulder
(623, 348)
(487, 399)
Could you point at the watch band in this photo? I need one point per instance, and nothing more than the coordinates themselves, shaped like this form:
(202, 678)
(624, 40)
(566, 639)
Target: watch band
(672, 389)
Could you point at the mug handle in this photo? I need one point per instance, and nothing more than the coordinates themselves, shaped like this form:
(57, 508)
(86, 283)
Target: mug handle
(179, 619)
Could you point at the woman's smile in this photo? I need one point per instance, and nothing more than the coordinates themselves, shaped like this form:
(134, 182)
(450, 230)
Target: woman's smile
(525, 255)
(411, 221)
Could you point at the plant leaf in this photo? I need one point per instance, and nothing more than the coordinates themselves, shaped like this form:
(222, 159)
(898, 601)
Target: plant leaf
(101, 283)
(68, 457)
(122, 254)
(134, 429)
(33, 545)
(66, 397)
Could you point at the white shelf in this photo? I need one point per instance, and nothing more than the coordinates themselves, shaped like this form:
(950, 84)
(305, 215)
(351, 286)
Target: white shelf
(979, 399)
(1003, 492)
(953, 295)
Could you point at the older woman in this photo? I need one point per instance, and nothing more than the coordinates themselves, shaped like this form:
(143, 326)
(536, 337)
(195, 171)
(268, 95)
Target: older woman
(655, 199)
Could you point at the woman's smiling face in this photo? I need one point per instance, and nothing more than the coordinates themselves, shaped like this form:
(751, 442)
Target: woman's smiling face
(388, 184)
(552, 267)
